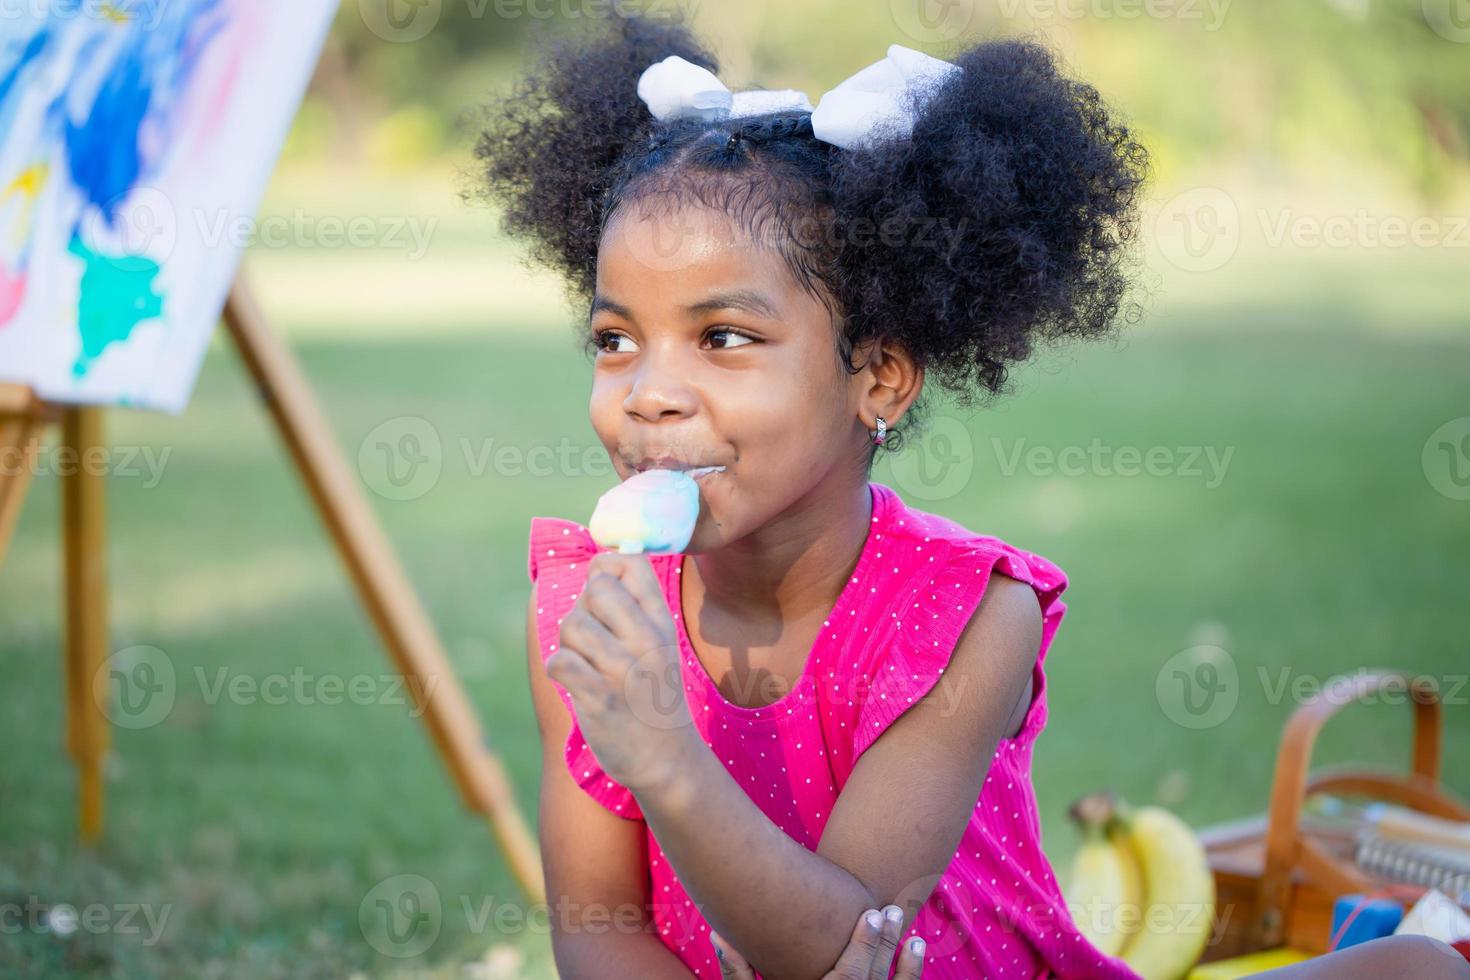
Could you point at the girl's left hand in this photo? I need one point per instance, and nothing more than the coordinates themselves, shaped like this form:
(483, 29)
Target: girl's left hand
(618, 657)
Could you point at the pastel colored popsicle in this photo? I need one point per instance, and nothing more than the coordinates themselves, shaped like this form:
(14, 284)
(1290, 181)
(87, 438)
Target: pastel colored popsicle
(650, 511)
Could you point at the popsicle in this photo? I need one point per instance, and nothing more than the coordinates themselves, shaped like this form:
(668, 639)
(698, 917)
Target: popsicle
(654, 510)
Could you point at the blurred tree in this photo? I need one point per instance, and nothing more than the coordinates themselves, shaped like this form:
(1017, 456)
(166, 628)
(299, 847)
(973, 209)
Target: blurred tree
(1383, 85)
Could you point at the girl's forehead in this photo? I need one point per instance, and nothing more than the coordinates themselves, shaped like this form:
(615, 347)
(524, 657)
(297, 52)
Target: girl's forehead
(648, 249)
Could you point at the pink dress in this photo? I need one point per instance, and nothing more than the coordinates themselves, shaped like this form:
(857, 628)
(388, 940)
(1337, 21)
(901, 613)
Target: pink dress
(997, 910)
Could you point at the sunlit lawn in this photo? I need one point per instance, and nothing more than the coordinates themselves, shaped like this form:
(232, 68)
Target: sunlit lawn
(1321, 547)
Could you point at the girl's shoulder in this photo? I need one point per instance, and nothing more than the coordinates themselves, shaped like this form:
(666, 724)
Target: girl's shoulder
(557, 558)
(556, 542)
(559, 548)
(934, 545)
(924, 585)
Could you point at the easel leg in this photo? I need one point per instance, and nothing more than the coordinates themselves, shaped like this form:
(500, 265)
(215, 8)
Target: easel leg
(19, 437)
(382, 586)
(84, 531)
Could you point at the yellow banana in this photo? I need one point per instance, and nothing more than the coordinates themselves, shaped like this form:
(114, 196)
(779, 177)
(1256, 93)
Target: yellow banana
(1104, 889)
(1179, 894)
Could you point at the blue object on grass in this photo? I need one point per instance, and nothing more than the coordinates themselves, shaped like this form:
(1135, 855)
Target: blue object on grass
(1377, 918)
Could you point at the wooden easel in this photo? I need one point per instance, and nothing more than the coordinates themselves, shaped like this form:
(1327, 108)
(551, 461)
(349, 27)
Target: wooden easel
(379, 579)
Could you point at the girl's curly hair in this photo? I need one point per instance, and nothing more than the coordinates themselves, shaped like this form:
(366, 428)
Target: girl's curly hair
(1005, 219)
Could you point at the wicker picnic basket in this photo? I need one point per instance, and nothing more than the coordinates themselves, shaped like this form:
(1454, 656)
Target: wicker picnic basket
(1276, 880)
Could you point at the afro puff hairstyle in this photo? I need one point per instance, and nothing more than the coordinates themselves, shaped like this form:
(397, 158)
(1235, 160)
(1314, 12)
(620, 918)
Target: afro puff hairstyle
(1005, 219)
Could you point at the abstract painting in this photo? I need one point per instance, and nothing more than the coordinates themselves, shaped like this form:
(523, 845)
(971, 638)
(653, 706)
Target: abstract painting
(133, 135)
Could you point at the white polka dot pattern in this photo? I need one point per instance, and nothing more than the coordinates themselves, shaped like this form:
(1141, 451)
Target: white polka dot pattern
(997, 911)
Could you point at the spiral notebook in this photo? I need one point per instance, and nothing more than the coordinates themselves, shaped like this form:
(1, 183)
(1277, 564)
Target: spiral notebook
(1415, 864)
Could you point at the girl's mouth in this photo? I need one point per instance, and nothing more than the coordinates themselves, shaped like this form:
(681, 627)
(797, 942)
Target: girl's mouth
(695, 472)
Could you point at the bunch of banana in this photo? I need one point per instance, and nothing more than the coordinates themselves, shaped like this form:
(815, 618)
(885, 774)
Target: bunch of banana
(1140, 886)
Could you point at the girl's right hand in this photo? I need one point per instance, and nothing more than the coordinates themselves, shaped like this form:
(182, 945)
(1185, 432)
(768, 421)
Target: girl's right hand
(869, 955)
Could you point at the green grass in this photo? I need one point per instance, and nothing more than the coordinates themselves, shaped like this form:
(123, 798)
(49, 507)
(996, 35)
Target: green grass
(262, 828)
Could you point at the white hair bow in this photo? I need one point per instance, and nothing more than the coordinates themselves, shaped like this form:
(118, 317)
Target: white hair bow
(874, 102)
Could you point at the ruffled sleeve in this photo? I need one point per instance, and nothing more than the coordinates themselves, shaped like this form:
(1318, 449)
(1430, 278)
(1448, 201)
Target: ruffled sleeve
(557, 565)
(928, 626)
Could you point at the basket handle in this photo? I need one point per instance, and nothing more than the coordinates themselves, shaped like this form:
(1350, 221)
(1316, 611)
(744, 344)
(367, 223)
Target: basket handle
(1292, 769)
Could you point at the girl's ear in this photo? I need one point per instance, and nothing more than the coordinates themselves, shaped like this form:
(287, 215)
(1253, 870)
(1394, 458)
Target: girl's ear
(889, 382)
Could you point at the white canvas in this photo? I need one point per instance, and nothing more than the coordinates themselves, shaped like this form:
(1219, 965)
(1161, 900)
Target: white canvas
(136, 139)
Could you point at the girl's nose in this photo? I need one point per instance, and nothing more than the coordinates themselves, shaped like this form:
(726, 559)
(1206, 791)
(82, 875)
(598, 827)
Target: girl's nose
(659, 392)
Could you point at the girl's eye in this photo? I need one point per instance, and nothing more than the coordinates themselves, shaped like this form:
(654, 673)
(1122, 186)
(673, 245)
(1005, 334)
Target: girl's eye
(731, 333)
(604, 339)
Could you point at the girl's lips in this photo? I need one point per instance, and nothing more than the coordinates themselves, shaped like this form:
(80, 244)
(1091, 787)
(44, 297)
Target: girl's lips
(695, 472)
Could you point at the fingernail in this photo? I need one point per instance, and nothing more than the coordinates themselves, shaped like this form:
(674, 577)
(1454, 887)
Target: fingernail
(916, 945)
(720, 953)
(894, 913)
(874, 919)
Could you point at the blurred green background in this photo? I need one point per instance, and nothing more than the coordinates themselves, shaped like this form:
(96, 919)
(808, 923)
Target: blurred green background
(1300, 377)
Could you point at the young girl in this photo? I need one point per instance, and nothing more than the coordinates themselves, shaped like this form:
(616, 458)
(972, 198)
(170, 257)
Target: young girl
(826, 705)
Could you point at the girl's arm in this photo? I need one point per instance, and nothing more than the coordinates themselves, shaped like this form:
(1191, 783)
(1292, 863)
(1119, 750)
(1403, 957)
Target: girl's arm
(896, 824)
(594, 861)
(1388, 956)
